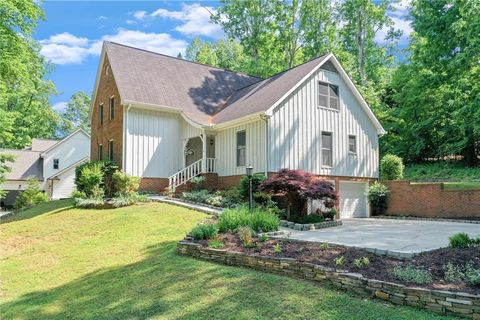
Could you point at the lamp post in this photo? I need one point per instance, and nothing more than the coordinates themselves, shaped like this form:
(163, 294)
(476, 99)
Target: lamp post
(250, 187)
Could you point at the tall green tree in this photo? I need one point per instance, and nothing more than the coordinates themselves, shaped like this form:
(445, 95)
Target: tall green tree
(5, 168)
(438, 91)
(25, 111)
(75, 116)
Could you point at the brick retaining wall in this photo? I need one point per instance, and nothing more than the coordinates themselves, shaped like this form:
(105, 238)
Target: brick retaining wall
(431, 200)
(443, 302)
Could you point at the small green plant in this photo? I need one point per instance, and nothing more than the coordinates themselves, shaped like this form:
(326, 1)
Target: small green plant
(277, 248)
(257, 179)
(324, 246)
(215, 244)
(263, 237)
(199, 196)
(197, 182)
(460, 240)
(89, 203)
(361, 263)
(215, 199)
(124, 183)
(391, 167)
(378, 198)
(453, 273)
(259, 220)
(412, 274)
(340, 261)
(31, 196)
(204, 231)
(246, 235)
(472, 275)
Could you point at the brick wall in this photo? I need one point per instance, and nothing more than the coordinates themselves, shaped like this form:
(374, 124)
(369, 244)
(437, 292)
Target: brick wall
(111, 129)
(153, 184)
(431, 200)
(442, 302)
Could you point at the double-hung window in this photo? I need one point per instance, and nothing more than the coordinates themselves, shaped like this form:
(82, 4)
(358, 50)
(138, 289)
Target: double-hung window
(110, 150)
(56, 164)
(100, 115)
(327, 149)
(112, 108)
(241, 148)
(100, 152)
(352, 144)
(328, 96)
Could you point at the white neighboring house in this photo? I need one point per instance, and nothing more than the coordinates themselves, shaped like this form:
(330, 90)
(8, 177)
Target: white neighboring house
(51, 162)
(167, 120)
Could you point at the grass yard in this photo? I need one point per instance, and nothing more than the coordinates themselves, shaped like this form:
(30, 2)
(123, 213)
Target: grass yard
(443, 171)
(64, 263)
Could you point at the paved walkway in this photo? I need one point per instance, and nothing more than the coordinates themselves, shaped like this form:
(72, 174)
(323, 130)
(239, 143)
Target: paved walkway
(193, 206)
(402, 238)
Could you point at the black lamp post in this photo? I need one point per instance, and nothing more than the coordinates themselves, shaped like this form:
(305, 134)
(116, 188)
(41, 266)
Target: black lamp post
(250, 187)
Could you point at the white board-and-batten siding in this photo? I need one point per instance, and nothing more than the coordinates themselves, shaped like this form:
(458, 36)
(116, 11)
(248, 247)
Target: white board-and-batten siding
(296, 126)
(153, 143)
(226, 148)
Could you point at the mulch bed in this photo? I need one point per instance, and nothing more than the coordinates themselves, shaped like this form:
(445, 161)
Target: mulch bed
(379, 268)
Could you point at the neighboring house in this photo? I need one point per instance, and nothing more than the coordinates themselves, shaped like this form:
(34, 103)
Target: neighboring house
(51, 162)
(166, 120)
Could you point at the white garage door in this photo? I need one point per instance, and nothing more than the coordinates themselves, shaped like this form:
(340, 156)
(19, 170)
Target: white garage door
(63, 188)
(353, 201)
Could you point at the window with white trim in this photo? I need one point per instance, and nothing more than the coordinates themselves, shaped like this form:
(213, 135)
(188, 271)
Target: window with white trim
(328, 96)
(327, 149)
(56, 164)
(241, 148)
(352, 144)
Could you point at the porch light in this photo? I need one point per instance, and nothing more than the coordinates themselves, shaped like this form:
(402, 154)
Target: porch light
(250, 187)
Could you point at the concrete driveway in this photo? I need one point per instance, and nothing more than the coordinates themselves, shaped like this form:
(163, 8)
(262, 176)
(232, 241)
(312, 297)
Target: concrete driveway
(402, 238)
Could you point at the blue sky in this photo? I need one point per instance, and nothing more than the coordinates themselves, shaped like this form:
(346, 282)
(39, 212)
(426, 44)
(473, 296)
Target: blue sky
(72, 35)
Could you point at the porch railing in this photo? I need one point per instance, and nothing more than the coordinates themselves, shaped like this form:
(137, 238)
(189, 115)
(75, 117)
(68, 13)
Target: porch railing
(191, 171)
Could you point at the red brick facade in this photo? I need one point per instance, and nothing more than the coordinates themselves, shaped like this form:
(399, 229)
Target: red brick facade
(110, 130)
(153, 184)
(432, 201)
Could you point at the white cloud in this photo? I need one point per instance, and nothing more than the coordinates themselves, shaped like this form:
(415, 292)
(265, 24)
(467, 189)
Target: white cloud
(103, 18)
(66, 48)
(60, 106)
(400, 15)
(194, 18)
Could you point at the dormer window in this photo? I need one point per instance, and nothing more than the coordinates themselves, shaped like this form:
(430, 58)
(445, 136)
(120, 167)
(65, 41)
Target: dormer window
(328, 96)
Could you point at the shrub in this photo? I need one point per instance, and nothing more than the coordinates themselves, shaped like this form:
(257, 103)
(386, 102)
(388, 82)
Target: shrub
(294, 187)
(259, 220)
(411, 274)
(460, 240)
(340, 261)
(452, 273)
(204, 231)
(472, 275)
(90, 178)
(330, 214)
(257, 179)
(216, 244)
(378, 198)
(361, 263)
(124, 200)
(215, 199)
(89, 203)
(246, 235)
(231, 198)
(391, 167)
(124, 183)
(78, 194)
(31, 196)
(199, 196)
(107, 169)
(197, 182)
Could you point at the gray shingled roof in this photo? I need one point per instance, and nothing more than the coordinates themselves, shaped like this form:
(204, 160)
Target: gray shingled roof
(155, 79)
(27, 163)
(262, 95)
(42, 144)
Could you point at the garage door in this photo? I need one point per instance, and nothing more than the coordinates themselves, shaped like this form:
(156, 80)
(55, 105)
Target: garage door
(63, 188)
(353, 201)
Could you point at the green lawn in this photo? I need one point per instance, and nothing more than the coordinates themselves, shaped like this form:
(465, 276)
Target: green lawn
(442, 171)
(64, 263)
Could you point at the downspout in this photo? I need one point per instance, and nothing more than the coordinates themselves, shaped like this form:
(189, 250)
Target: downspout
(125, 128)
(265, 118)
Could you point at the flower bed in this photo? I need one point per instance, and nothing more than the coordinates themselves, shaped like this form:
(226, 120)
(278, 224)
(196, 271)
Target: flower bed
(317, 262)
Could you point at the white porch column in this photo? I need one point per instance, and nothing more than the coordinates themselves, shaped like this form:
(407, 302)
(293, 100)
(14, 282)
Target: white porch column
(204, 152)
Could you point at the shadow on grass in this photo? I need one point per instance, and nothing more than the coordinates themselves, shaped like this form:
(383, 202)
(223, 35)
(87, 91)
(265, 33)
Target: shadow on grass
(167, 285)
(55, 206)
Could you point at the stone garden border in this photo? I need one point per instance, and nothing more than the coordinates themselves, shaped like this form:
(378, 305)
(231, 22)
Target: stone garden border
(310, 226)
(442, 302)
